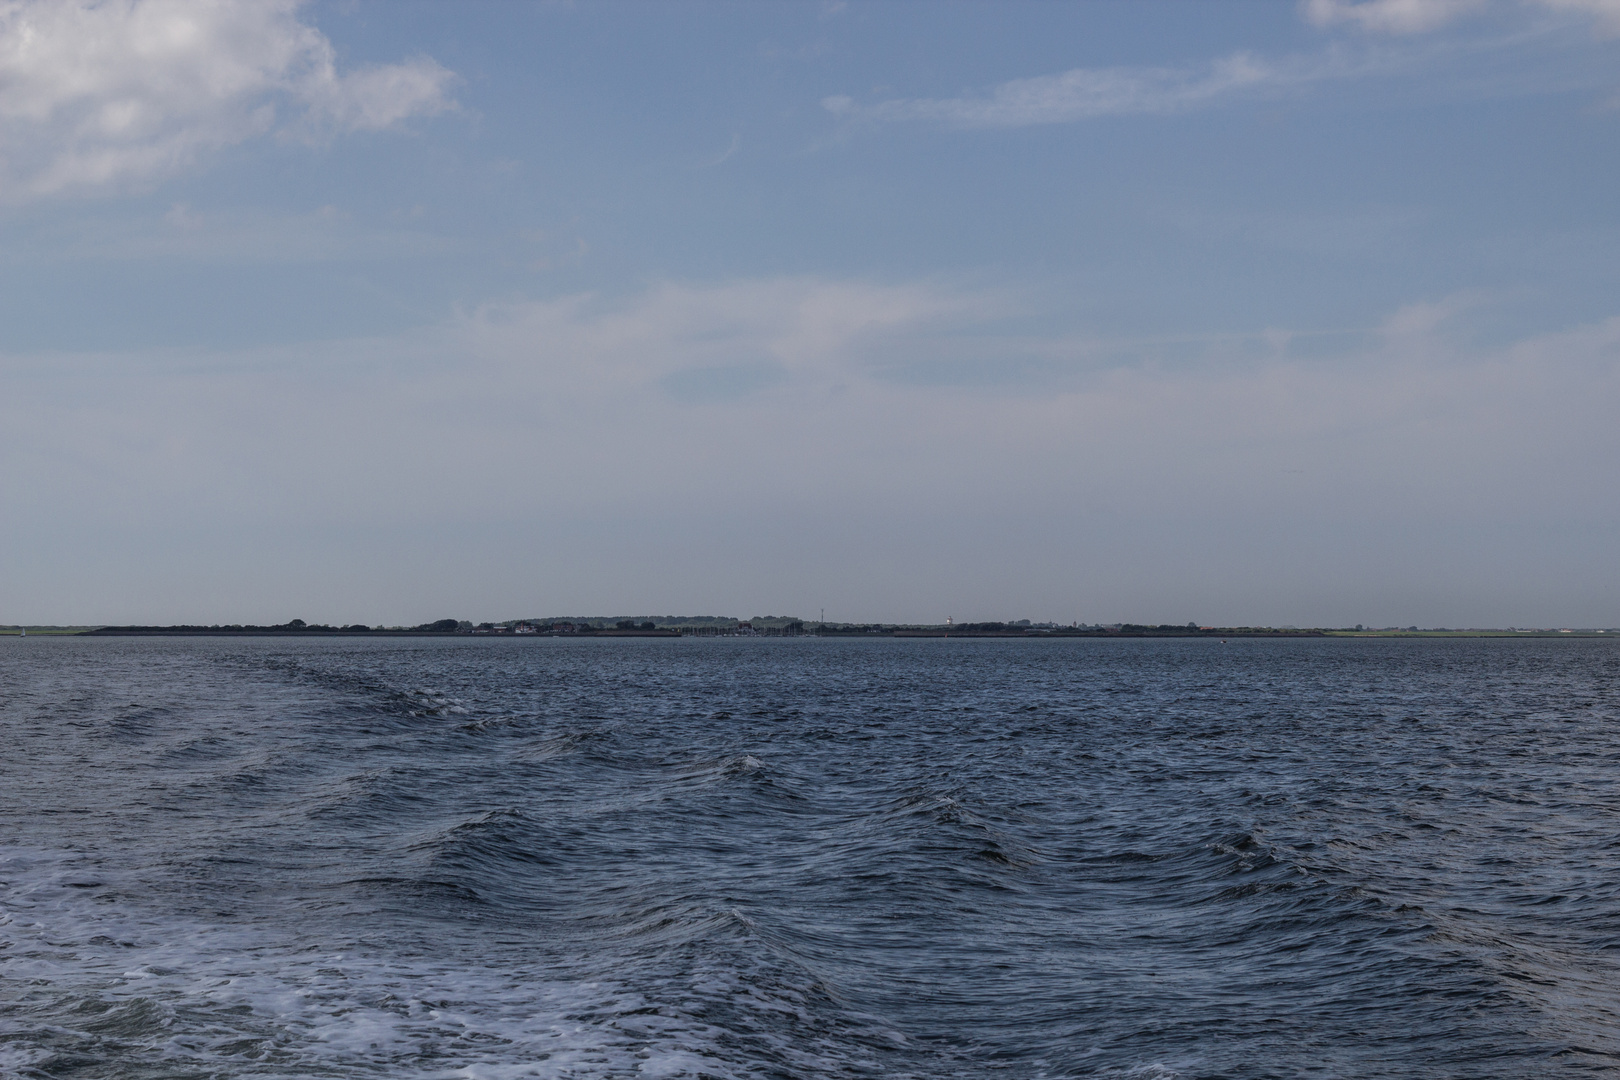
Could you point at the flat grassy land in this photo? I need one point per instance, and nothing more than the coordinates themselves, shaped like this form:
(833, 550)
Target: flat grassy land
(1473, 633)
(42, 631)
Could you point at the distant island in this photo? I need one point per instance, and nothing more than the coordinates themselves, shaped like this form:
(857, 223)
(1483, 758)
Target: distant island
(782, 626)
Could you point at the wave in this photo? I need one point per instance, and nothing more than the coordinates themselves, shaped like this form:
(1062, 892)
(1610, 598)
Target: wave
(301, 860)
(149, 994)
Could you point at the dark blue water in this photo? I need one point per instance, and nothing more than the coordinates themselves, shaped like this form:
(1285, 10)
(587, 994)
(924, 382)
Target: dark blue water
(807, 858)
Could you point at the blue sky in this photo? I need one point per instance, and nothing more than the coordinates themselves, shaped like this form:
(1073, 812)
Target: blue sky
(1232, 312)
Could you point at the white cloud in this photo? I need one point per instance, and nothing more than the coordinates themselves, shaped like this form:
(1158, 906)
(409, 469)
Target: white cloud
(1086, 93)
(97, 95)
(375, 98)
(1080, 94)
(1422, 16)
(1604, 13)
(808, 329)
(1389, 16)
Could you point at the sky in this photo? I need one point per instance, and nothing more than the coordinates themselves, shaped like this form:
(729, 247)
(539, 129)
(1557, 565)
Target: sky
(1226, 311)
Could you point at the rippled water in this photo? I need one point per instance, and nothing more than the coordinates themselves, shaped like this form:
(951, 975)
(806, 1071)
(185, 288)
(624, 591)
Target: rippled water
(809, 858)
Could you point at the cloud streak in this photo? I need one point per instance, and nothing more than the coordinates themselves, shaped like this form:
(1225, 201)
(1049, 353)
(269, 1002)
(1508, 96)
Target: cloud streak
(1605, 14)
(1389, 16)
(100, 96)
(1423, 16)
(1081, 94)
(1091, 93)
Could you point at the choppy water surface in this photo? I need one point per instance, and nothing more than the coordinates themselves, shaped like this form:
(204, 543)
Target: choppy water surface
(809, 858)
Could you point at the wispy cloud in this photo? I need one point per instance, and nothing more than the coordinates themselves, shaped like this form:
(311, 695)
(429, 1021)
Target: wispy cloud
(1423, 16)
(1088, 93)
(1084, 93)
(1605, 14)
(806, 331)
(97, 96)
(1388, 16)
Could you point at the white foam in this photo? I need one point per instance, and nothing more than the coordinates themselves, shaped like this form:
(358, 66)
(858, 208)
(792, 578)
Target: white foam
(103, 978)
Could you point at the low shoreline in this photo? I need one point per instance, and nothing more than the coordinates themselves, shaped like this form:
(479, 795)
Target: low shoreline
(1244, 633)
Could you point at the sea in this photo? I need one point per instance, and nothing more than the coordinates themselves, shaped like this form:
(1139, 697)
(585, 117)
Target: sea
(805, 858)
